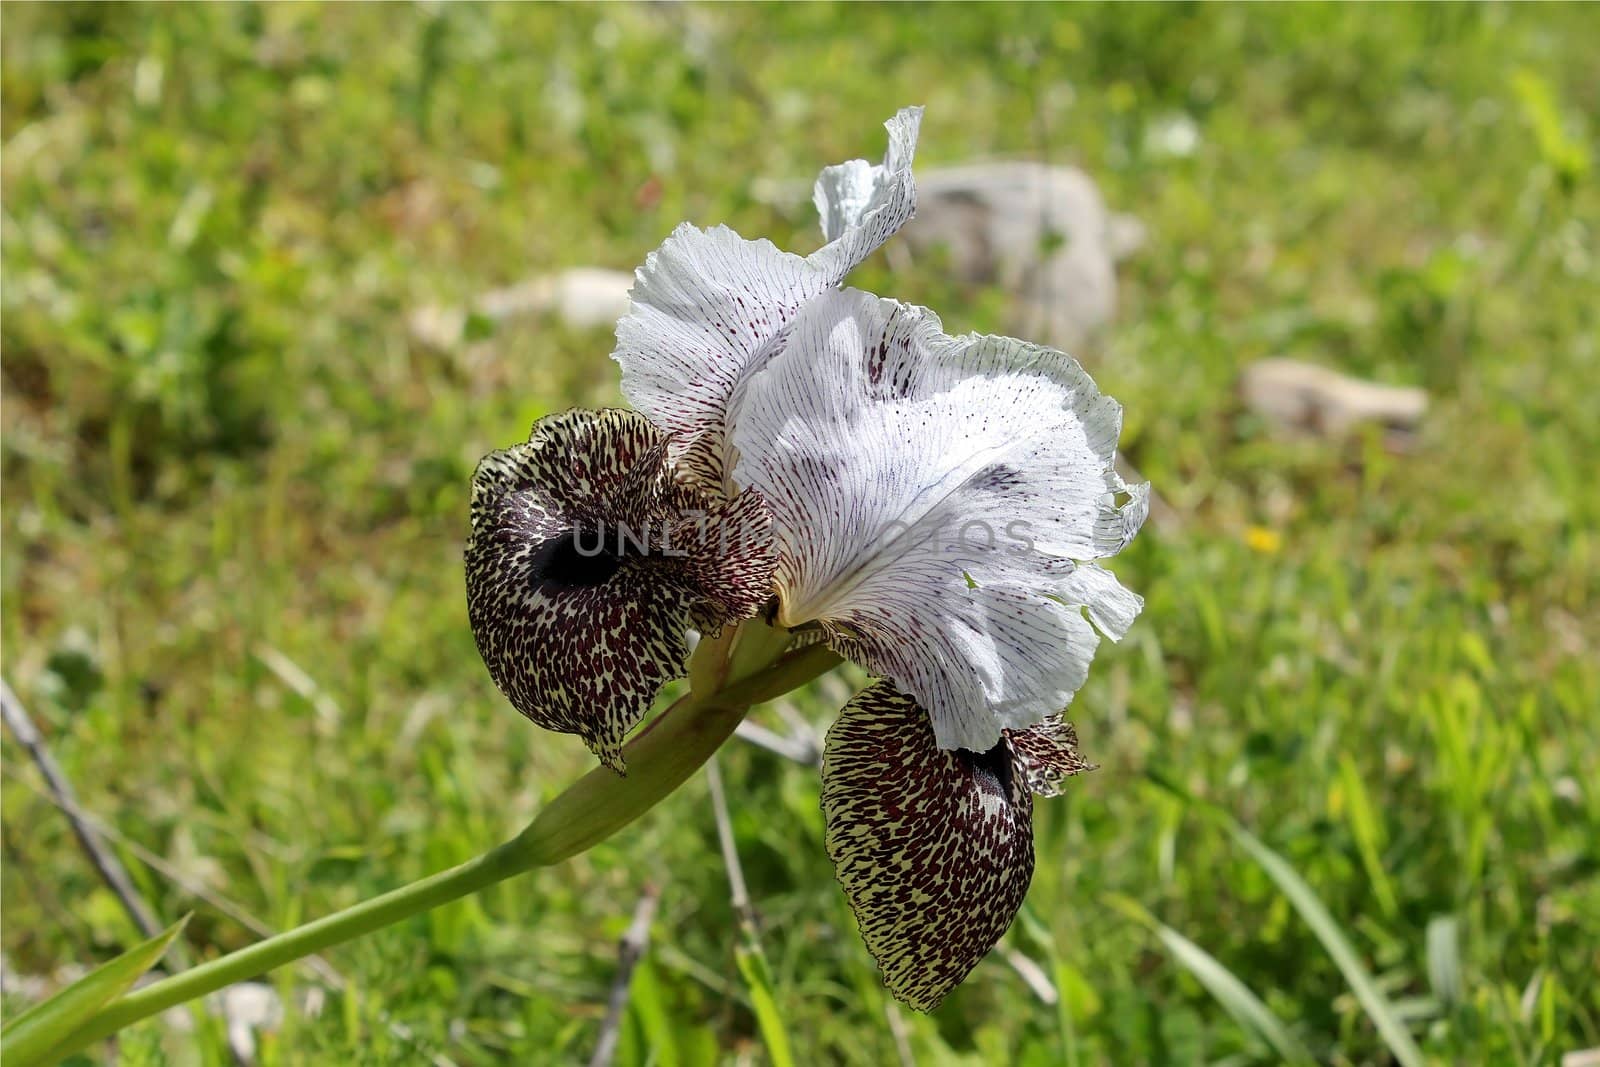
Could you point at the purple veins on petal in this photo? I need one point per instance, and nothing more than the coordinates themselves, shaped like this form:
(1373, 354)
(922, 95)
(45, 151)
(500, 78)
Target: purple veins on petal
(940, 505)
(709, 308)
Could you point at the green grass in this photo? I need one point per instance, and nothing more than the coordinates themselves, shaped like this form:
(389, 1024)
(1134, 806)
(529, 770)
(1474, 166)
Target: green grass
(221, 450)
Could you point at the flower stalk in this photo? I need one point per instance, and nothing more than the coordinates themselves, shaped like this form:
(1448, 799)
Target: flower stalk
(744, 667)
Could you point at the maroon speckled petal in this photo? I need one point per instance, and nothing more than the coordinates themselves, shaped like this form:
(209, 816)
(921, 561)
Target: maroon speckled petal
(587, 563)
(1046, 755)
(933, 848)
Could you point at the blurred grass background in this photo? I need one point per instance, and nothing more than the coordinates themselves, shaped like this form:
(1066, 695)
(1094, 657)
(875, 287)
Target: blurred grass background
(222, 453)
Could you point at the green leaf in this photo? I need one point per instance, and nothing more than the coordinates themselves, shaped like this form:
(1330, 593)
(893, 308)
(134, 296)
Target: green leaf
(42, 1034)
(648, 1003)
(1369, 833)
(1322, 923)
(758, 979)
(1236, 998)
(1444, 960)
(1564, 153)
(1316, 916)
(1076, 1000)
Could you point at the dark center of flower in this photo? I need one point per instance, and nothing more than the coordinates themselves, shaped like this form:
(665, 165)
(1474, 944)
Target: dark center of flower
(994, 769)
(576, 560)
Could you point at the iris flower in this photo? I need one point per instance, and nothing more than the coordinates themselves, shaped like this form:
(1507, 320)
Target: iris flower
(932, 507)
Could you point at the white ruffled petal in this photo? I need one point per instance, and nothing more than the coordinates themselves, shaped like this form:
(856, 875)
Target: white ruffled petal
(861, 206)
(709, 308)
(1111, 607)
(935, 502)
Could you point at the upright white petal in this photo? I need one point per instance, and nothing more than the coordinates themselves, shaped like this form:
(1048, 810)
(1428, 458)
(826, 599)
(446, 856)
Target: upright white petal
(861, 206)
(937, 504)
(709, 308)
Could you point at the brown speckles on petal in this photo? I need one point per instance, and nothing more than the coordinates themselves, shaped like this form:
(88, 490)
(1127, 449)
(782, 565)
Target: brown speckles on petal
(1047, 755)
(934, 852)
(934, 848)
(587, 562)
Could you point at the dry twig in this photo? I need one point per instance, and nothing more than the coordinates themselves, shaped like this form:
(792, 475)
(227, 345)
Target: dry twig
(796, 750)
(897, 1030)
(629, 952)
(738, 892)
(114, 874)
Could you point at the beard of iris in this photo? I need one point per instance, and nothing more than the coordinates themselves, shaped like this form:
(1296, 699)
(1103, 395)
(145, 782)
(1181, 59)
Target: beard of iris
(994, 771)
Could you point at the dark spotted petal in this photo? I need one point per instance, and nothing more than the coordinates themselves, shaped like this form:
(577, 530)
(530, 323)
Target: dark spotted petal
(727, 554)
(1046, 755)
(933, 848)
(578, 463)
(587, 563)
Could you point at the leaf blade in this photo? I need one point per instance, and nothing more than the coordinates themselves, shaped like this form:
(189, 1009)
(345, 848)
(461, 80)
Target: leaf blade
(1322, 923)
(43, 1033)
(1235, 997)
(769, 1020)
(1315, 914)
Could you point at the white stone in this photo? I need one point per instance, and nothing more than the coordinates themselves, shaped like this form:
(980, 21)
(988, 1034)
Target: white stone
(1039, 231)
(581, 297)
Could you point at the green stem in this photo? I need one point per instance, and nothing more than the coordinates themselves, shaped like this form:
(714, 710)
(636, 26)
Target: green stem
(493, 866)
(663, 756)
(659, 759)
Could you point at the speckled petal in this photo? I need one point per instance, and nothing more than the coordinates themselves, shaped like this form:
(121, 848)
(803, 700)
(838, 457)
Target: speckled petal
(1046, 755)
(933, 848)
(587, 563)
(938, 504)
(724, 549)
(709, 308)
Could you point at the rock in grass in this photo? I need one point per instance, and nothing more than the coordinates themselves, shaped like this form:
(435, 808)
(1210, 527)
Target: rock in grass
(1304, 397)
(1041, 232)
(582, 297)
(246, 1009)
